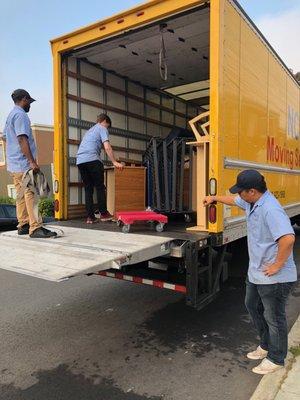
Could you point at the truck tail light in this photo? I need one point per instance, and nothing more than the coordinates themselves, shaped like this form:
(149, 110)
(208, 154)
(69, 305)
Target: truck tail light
(212, 186)
(212, 214)
(56, 205)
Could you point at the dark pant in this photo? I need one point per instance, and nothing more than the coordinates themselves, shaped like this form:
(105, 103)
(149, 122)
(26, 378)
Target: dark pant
(266, 306)
(92, 174)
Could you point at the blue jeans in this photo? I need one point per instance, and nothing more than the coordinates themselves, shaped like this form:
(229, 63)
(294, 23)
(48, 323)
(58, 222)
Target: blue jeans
(266, 306)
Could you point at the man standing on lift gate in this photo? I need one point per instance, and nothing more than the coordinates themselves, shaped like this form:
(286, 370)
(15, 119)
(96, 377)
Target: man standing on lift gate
(91, 167)
(272, 270)
(21, 157)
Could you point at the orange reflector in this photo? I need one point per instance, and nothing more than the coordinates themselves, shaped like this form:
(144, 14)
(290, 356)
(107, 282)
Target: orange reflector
(56, 205)
(212, 214)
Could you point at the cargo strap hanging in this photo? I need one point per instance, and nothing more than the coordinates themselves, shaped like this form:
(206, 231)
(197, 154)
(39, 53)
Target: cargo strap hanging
(163, 68)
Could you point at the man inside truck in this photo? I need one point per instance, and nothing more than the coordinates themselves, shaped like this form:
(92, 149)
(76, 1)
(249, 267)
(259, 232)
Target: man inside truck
(21, 157)
(91, 167)
(272, 270)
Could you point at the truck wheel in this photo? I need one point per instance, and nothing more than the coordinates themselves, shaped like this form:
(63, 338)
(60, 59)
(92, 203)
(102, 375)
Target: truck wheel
(126, 228)
(160, 227)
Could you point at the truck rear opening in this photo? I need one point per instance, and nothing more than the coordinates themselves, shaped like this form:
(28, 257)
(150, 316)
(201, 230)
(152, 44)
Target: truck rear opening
(148, 80)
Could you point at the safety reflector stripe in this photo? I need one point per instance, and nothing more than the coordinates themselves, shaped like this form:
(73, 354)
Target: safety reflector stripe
(137, 279)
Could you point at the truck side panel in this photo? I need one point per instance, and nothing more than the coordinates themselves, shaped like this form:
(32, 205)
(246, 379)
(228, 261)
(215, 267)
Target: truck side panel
(258, 114)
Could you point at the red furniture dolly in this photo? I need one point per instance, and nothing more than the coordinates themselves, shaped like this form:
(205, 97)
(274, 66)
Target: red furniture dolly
(128, 218)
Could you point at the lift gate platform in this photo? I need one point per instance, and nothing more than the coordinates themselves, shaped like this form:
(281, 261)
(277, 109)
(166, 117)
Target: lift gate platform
(79, 252)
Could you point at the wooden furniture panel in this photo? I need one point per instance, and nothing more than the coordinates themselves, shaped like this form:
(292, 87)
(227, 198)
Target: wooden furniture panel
(126, 189)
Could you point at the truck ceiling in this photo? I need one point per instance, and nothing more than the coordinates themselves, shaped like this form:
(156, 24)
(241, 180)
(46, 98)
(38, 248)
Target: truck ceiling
(135, 53)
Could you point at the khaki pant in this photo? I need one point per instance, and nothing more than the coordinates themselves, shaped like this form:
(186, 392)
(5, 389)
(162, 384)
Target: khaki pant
(27, 205)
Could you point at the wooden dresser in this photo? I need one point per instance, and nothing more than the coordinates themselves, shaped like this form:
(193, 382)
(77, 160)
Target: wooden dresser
(126, 189)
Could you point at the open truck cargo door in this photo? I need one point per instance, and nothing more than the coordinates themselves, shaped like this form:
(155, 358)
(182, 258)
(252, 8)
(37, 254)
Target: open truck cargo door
(78, 252)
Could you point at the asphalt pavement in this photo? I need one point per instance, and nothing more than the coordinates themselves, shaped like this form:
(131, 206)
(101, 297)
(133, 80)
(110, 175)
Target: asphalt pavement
(95, 338)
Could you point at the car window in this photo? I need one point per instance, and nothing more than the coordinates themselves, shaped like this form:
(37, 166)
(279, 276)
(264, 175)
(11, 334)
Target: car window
(10, 210)
(2, 213)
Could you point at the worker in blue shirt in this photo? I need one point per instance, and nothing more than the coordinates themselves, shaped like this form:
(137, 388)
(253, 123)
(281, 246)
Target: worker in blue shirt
(91, 167)
(272, 270)
(21, 157)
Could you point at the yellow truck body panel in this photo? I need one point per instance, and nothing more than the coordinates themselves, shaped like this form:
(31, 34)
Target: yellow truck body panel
(258, 120)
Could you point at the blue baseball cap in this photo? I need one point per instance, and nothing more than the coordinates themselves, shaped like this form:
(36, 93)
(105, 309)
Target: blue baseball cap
(247, 179)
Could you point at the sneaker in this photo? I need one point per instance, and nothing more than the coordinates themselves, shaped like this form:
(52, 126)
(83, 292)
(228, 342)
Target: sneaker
(106, 216)
(23, 230)
(266, 367)
(257, 354)
(91, 221)
(42, 233)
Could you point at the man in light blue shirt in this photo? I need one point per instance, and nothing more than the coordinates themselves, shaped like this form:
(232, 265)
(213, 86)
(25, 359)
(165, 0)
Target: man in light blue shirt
(21, 156)
(91, 167)
(272, 270)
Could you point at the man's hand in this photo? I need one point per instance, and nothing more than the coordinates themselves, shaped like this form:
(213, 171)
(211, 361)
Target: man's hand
(271, 269)
(285, 247)
(118, 165)
(208, 200)
(34, 166)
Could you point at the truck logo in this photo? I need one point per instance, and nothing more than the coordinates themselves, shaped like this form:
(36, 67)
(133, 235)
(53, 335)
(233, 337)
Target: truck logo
(281, 154)
(293, 128)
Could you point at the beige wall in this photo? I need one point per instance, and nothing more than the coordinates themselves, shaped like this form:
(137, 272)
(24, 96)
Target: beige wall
(5, 179)
(43, 135)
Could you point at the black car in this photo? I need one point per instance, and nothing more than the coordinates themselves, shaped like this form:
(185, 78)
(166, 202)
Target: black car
(8, 217)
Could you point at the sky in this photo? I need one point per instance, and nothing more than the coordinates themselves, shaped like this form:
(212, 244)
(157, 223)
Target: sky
(27, 26)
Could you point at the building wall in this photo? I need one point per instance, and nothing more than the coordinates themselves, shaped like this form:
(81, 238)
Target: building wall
(5, 179)
(43, 135)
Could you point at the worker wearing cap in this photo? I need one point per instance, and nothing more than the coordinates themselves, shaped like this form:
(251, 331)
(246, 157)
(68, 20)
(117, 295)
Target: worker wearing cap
(272, 271)
(21, 156)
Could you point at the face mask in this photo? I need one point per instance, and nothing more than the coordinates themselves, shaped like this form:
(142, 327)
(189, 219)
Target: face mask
(26, 108)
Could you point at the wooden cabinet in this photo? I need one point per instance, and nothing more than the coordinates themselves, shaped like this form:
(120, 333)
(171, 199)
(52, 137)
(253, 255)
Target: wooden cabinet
(126, 189)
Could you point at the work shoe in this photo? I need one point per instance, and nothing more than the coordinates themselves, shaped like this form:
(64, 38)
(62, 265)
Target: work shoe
(106, 216)
(42, 233)
(23, 230)
(91, 220)
(266, 367)
(257, 354)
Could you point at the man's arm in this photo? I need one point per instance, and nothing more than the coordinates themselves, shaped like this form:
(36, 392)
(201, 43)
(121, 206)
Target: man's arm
(25, 148)
(229, 200)
(109, 151)
(285, 247)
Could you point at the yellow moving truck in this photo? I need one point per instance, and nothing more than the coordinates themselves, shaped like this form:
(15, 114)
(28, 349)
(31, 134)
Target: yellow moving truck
(217, 60)
(171, 63)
